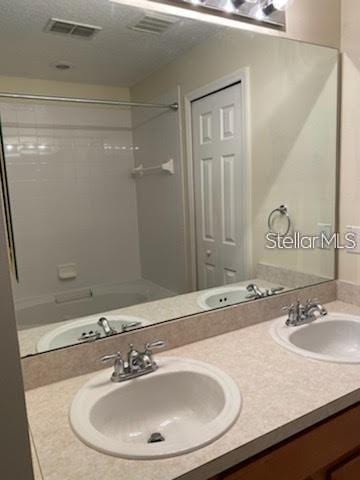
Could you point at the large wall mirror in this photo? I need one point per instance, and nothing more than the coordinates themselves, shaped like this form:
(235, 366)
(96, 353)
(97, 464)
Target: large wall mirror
(155, 203)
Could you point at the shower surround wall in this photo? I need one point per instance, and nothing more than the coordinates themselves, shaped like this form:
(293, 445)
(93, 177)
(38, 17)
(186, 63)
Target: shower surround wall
(160, 196)
(72, 195)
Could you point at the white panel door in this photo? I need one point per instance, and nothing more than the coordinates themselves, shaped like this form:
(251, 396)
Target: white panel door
(218, 178)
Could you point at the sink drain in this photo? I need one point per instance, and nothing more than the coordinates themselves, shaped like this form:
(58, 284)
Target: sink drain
(156, 437)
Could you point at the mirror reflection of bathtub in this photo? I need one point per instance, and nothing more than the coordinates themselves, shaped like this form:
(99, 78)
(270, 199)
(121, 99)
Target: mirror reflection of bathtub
(35, 312)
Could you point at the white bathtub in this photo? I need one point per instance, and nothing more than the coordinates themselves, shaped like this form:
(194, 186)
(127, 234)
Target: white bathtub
(38, 311)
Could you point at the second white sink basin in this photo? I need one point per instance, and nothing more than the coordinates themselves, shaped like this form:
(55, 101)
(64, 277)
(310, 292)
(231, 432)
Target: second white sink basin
(334, 338)
(186, 403)
(222, 297)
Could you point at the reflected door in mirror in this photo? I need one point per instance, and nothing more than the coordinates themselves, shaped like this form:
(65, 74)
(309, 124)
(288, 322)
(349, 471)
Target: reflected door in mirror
(218, 175)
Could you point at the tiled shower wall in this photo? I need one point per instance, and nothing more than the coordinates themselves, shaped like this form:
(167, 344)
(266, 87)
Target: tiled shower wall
(73, 198)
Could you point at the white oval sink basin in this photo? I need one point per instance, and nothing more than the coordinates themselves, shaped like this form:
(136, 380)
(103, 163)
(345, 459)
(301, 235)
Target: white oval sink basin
(189, 403)
(222, 297)
(71, 333)
(334, 338)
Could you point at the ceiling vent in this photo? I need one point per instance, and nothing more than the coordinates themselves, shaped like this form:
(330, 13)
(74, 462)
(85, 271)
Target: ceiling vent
(64, 27)
(154, 23)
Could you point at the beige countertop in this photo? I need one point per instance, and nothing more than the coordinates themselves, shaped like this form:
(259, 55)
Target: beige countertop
(282, 392)
(35, 462)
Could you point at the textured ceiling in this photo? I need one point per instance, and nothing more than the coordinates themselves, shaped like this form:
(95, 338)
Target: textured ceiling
(116, 56)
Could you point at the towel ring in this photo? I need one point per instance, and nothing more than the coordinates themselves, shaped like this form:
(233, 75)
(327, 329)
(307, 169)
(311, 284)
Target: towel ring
(282, 210)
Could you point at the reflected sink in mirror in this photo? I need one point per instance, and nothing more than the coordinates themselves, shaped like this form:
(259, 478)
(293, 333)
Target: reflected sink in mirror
(182, 406)
(334, 338)
(87, 329)
(222, 297)
(232, 295)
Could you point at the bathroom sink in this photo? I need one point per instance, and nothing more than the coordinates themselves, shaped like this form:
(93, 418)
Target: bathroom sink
(334, 338)
(222, 297)
(182, 406)
(73, 331)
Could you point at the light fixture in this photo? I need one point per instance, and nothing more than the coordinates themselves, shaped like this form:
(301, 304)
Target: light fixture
(282, 4)
(272, 6)
(222, 12)
(259, 13)
(229, 6)
(239, 3)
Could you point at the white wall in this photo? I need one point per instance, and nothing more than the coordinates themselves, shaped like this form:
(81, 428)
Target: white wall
(349, 264)
(316, 21)
(71, 193)
(294, 149)
(292, 128)
(160, 197)
(36, 86)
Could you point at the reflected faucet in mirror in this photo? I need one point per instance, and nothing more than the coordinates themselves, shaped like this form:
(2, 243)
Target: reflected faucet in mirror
(108, 330)
(104, 324)
(256, 292)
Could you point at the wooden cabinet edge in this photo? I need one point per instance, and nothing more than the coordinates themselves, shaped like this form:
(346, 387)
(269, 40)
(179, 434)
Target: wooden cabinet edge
(310, 455)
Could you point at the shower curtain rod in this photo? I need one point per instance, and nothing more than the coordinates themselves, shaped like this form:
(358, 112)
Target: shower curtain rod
(119, 103)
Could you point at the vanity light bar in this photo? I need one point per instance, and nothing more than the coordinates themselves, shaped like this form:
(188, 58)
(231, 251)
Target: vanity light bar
(271, 12)
(271, 6)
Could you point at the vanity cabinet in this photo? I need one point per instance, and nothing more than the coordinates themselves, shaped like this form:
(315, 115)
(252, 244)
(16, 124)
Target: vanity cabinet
(350, 470)
(328, 451)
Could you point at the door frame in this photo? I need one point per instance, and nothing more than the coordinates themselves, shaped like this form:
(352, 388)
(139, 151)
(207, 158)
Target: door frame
(239, 76)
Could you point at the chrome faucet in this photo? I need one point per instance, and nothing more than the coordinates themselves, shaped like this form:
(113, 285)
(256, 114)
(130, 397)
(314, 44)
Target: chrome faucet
(299, 314)
(126, 326)
(90, 336)
(313, 307)
(137, 363)
(256, 292)
(103, 322)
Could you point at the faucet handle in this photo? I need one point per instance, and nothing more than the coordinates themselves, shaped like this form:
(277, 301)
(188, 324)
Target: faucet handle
(129, 326)
(288, 308)
(309, 301)
(153, 345)
(110, 358)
